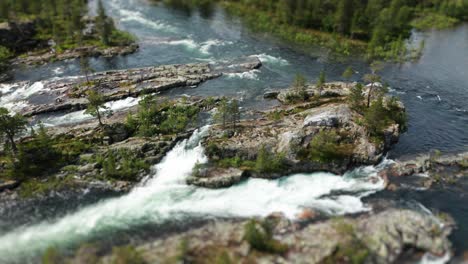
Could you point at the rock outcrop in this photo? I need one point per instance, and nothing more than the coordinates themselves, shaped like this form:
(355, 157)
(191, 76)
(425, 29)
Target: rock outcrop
(374, 238)
(423, 171)
(43, 57)
(70, 93)
(323, 134)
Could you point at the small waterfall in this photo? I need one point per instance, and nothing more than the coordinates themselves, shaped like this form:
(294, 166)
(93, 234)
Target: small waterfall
(165, 197)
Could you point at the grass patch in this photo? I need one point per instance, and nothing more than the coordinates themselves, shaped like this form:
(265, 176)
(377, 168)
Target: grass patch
(36, 187)
(427, 21)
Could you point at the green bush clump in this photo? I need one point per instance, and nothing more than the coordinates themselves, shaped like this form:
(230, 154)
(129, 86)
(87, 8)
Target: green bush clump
(155, 117)
(431, 20)
(122, 164)
(236, 162)
(326, 147)
(260, 237)
(268, 162)
(37, 157)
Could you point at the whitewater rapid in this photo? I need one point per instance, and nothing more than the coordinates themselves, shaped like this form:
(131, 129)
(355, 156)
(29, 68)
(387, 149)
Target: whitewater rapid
(165, 196)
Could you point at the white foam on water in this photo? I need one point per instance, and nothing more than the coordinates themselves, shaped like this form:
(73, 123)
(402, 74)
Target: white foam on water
(207, 45)
(431, 259)
(190, 44)
(187, 43)
(139, 17)
(81, 116)
(251, 75)
(265, 58)
(58, 70)
(6, 88)
(14, 96)
(165, 196)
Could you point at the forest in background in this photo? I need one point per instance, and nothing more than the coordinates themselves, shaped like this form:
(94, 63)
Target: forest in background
(63, 22)
(380, 28)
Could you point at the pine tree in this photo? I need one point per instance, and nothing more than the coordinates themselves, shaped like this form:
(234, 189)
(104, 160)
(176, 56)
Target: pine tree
(86, 68)
(373, 78)
(348, 73)
(321, 81)
(96, 106)
(356, 97)
(104, 24)
(10, 126)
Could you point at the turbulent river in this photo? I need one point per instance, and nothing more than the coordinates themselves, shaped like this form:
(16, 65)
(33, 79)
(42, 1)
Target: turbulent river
(434, 90)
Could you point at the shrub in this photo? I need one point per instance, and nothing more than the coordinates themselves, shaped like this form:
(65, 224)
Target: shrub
(127, 255)
(161, 117)
(325, 147)
(236, 162)
(268, 162)
(51, 256)
(356, 97)
(37, 157)
(122, 164)
(260, 237)
(377, 118)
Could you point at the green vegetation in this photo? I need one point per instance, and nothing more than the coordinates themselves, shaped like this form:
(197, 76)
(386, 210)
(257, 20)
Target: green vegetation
(351, 249)
(379, 116)
(299, 93)
(376, 27)
(61, 21)
(356, 97)
(326, 147)
(5, 54)
(126, 255)
(228, 114)
(430, 20)
(348, 73)
(37, 186)
(321, 80)
(10, 126)
(260, 237)
(96, 106)
(373, 78)
(236, 162)
(37, 157)
(268, 162)
(86, 69)
(52, 256)
(122, 164)
(161, 117)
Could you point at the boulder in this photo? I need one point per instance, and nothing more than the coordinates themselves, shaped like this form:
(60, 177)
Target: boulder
(216, 177)
(8, 185)
(332, 116)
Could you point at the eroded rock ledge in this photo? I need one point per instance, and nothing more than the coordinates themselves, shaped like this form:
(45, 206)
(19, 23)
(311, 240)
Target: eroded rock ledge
(43, 57)
(70, 93)
(426, 171)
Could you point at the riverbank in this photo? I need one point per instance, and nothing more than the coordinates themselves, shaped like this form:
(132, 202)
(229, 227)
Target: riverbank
(342, 28)
(51, 34)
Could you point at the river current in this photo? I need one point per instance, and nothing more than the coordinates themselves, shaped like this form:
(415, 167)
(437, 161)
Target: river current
(434, 90)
